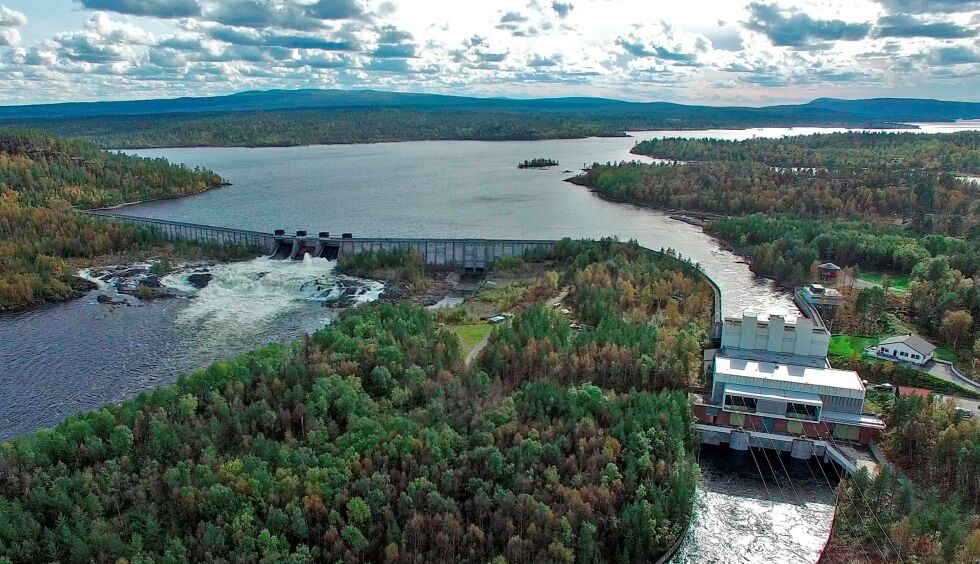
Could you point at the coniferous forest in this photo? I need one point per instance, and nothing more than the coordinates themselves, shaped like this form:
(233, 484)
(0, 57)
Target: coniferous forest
(371, 440)
(902, 204)
(42, 178)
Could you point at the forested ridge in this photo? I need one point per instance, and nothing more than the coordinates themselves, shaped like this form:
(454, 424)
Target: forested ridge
(951, 152)
(371, 441)
(485, 120)
(311, 127)
(42, 177)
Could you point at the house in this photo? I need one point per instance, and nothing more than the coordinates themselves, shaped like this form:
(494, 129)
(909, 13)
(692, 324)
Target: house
(775, 368)
(828, 271)
(820, 296)
(906, 348)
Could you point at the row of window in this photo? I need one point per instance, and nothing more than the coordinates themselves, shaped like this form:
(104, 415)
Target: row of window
(913, 356)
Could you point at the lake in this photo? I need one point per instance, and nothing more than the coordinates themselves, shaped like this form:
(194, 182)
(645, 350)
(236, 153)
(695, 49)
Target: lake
(63, 358)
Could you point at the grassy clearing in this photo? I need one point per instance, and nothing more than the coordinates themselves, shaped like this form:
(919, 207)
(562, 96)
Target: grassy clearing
(943, 353)
(898, 283)
(470, 335)
(849, 346)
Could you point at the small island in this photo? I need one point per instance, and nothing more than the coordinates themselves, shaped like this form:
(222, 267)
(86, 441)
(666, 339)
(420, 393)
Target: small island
(538, 163)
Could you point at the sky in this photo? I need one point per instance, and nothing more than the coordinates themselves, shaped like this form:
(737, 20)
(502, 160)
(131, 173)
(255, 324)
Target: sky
(717, 52)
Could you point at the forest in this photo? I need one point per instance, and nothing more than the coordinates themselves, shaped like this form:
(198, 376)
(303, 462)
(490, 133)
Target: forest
(42, 178)
(316, 127)
(887, 517)
(952, 152)
(371, 441)
(889, 203)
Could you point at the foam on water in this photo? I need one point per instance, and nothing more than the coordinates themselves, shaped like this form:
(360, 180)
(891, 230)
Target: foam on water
(260, 290)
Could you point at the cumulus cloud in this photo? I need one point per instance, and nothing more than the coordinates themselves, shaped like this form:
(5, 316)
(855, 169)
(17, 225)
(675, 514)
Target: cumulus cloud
(954, 55)
(562, 8)
(336, 10)
(930, 6)
(800, 30)
(902, 25)
(760, 47)
(10, 20)
(155, 8)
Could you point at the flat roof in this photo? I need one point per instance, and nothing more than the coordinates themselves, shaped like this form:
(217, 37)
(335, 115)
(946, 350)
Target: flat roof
(769, 393)
(773, 374)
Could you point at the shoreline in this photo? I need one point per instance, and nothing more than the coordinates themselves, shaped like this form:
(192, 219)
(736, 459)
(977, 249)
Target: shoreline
(160, 199)
(697, 219)
(625, 133)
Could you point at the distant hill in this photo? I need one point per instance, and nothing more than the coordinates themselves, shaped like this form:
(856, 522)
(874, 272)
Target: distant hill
(256, 100)
(902, 109)
(295, 117)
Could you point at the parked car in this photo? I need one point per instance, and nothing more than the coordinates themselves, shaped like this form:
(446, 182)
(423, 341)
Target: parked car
(497, 319)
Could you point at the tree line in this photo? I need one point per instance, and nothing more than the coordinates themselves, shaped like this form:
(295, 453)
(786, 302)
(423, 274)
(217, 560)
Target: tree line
(887, 514)
(42, 177)
(371, 441)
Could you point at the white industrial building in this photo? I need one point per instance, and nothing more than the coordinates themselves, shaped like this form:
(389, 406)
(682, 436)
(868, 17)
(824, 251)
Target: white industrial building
(776, 367)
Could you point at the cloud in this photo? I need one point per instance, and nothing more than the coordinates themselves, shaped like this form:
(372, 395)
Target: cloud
(155, 8)
(335, 10)
(262, 14)
(10, 20)
(665, 44)
(394, 51)
(902, 25)
(947, 56)
(239, 36)
(562, 8)
(513, 17)
(929, 6)
(799, 29)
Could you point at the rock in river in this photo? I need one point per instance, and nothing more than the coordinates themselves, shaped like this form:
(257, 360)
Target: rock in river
(200, 279)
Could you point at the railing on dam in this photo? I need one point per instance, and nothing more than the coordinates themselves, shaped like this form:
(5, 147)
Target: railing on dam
(477, 254)
(206, 234)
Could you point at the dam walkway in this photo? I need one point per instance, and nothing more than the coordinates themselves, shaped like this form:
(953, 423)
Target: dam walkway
(463, 254)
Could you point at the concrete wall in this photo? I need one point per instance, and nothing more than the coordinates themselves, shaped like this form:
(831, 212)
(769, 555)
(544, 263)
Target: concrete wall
(476, 254)
(775, 335)
(453, 253)
(177, 231)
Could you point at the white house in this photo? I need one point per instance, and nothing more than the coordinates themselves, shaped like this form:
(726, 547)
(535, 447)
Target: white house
(906, 348)
(819, 295)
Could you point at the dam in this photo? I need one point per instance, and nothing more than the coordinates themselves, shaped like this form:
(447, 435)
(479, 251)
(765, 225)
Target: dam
(464, 255)
(740, 427)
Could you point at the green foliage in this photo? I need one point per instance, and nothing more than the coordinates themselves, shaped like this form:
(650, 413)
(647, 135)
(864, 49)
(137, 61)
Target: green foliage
(397, 264)
(369, 440)
(644, 318)
(41, 177)
(932, 517)
(956, 152)
(537, 163)
(883, 371)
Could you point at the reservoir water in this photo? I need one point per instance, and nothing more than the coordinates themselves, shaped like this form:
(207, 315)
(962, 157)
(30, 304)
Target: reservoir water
(63, 358)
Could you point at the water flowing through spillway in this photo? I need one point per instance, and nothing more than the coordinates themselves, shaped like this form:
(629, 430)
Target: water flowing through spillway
(63, 358)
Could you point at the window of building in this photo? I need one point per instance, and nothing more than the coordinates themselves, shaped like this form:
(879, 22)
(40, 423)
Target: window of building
(738, 403)
(802, 411)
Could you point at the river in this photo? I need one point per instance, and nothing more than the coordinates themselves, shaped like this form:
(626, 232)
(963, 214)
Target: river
(63, 358)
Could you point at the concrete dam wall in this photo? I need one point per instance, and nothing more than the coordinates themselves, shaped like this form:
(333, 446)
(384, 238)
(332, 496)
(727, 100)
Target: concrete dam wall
(468, 255)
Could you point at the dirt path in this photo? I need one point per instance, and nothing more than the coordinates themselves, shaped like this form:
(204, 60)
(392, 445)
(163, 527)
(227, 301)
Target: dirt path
(471, 356)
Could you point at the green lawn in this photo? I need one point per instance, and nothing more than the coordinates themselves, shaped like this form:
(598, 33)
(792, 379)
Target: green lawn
(470, 335)
(849, 345)
(898, 283)
(943, 353)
